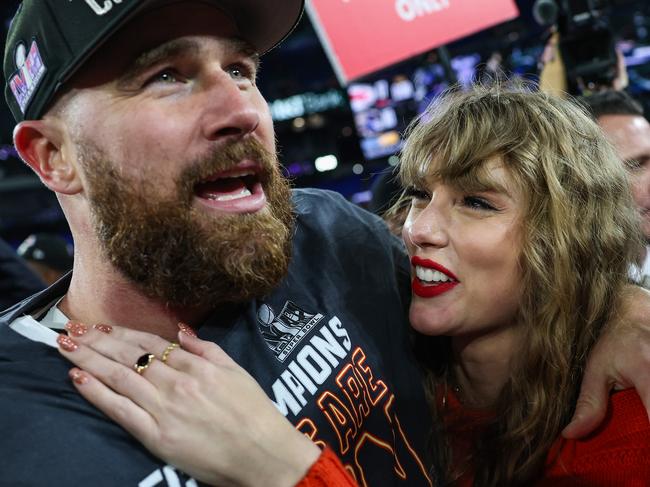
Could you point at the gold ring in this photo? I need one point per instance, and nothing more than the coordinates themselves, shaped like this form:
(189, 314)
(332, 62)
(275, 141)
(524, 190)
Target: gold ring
(165, 355)
(143, 362)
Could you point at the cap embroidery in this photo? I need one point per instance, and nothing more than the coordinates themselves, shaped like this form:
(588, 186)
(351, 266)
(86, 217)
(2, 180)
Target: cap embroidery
(31, 70)
(98, 9)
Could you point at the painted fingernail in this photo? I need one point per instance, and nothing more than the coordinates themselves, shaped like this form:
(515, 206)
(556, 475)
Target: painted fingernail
(76, 329)
(104, 328)
(187, 329)
(67, 343)
(78, 377)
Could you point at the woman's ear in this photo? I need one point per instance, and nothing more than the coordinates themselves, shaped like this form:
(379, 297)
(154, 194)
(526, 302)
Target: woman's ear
(42, 145)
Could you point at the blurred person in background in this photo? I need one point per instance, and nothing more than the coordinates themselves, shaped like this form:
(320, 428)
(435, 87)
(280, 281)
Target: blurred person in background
(621, 119)
(50, 256)
(17, 280)
(553, 73)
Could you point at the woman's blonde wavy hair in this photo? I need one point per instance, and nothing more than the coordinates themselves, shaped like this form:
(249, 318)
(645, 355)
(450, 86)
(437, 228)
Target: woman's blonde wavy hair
(580, 233)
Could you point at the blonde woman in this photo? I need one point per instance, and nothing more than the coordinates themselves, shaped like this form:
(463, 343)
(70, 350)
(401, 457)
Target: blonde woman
(520, 233)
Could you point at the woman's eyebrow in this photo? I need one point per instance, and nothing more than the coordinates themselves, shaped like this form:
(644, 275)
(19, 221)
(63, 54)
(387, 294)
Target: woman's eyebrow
(481, 183)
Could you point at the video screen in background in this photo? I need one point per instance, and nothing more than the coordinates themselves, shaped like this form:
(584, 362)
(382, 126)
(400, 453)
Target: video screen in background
(383, 106)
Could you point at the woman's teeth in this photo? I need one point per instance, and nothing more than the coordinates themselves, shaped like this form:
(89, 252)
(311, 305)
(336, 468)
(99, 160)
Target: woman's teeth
(431, 276)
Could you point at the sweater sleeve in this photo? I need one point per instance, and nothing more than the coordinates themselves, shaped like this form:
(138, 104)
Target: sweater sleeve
(617, 453)
(327, 471)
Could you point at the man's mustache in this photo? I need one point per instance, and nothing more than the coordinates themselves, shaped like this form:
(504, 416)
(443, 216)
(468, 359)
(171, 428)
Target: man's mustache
(227, 157)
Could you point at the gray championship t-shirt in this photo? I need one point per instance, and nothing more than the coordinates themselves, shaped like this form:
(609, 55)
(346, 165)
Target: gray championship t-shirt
(330, 346)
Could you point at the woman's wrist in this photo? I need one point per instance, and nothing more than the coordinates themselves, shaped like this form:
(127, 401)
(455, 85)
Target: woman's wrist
(281, 463)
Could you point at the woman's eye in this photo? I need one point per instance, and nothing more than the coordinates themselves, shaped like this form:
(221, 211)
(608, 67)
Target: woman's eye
(476, 203)
(417, 194)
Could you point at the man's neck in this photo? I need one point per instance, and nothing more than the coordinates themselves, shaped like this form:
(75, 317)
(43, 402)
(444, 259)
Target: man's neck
(104, 296)
(482, 365)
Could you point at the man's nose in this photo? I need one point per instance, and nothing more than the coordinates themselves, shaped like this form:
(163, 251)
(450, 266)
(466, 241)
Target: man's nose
(231, 111)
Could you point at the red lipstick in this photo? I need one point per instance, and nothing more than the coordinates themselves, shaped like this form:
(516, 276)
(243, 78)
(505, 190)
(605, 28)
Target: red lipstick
(430, 264)
(431, 290)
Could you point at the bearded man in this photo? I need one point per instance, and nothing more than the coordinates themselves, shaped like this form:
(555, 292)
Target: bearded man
(145, 119)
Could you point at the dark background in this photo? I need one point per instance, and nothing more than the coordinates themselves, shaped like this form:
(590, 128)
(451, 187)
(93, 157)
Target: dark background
(300, 66)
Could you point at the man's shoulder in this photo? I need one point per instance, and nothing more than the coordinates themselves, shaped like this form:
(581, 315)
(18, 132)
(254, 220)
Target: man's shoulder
(314, 201)
(45, 423)
(329, 213)
(29, 369)
(331, 229)
(35, 301)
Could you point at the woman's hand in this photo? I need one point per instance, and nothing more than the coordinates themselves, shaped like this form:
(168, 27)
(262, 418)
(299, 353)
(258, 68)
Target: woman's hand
(620, 359)
(197, 409)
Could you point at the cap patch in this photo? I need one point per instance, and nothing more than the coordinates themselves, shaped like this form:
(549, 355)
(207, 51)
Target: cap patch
(31, 70)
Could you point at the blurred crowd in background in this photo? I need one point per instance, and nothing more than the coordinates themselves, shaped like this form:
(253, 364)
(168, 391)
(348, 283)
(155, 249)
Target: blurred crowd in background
(348, 138)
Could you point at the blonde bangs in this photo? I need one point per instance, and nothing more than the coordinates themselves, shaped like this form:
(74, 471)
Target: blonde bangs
(457, 135)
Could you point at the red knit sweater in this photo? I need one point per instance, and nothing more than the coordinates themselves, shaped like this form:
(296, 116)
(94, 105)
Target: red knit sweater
(616, 454)
(328, 471)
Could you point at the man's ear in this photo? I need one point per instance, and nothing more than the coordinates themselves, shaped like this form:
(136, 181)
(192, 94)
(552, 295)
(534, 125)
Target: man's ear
(42, 145)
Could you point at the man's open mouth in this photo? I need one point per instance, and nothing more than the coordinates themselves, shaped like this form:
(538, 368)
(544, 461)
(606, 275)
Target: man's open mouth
(237, 190)
(228, 187)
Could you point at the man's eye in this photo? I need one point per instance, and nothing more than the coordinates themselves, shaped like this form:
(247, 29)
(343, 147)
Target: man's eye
(166, 77)
(240, 72)
(476, 203)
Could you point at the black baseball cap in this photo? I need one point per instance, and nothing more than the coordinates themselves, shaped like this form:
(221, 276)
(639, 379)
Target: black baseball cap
(51, 250)
(49, 40)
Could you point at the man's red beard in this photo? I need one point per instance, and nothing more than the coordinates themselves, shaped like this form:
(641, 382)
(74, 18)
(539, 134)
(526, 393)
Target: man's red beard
(181, 255)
